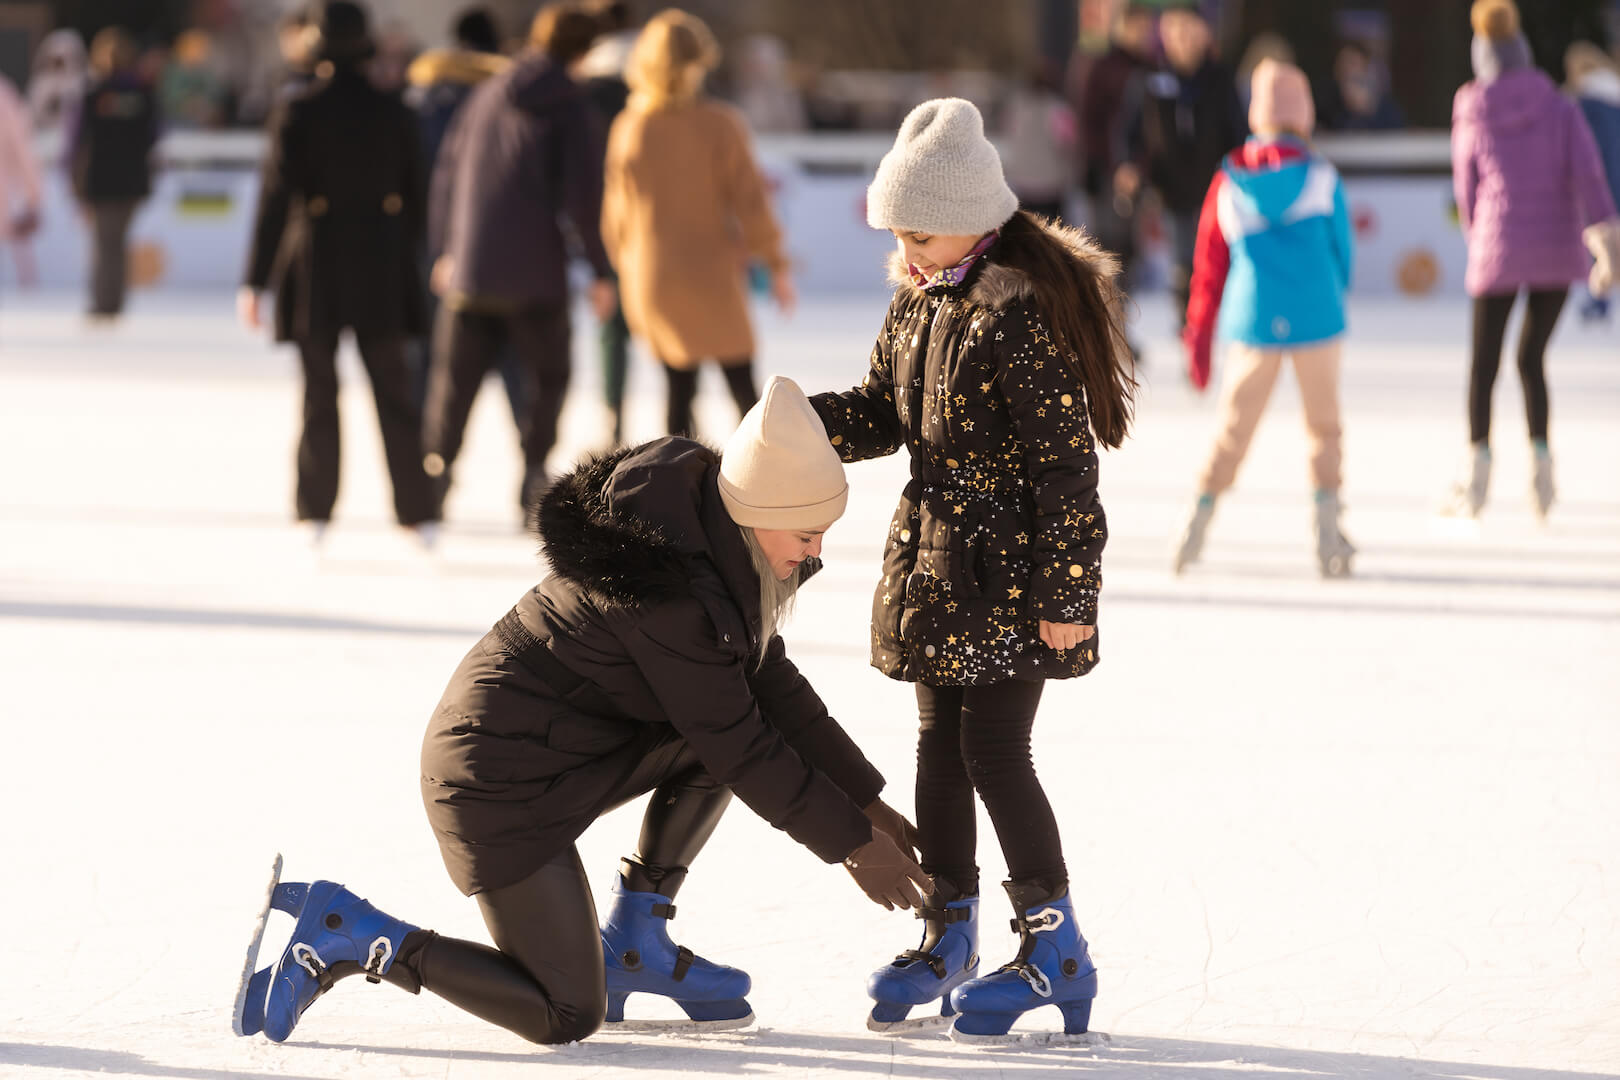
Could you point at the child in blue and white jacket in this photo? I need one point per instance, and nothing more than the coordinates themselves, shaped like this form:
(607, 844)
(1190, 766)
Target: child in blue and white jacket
(1274, 260)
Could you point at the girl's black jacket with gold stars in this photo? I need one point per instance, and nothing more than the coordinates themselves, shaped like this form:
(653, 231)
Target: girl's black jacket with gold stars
(999, 526)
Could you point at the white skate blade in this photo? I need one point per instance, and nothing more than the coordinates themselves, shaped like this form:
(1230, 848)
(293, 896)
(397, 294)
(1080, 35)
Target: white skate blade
(681, 1026)
(1086, 1040)
(911, 1025)
(240, 1008)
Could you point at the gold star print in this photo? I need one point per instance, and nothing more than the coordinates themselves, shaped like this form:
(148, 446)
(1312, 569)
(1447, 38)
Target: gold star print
(1041, 411)
(950, 607)
(1022, 538)
(961, 400)
(1071, 519)
(1007, 633)
(959, 508)
(984, 388)
(1075, 441)
(1014, 593)
(967, 425)
(951, 640)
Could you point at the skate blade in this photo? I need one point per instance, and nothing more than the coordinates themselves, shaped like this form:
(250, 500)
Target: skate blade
(677, 1026)
(241, 1022)
(1086, 1040)
(912, 1025)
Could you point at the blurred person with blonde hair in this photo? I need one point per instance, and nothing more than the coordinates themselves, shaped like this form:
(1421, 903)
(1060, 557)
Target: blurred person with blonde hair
(1593, 79)
(109, 159)
(517, 189)
(1530, 188)
(684, 211)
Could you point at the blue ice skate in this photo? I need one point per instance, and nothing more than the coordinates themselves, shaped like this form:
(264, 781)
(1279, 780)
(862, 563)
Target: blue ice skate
(641, 959)
(337, 934)
(947, 957)
(1052, 967)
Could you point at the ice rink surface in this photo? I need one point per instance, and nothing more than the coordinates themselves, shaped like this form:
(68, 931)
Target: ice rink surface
(1351, 829)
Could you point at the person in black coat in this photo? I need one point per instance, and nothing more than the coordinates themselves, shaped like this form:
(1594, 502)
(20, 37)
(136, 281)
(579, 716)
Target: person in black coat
(336, 238)
(109, 160)
(647, 661)
(1190, 119)
(516, 190)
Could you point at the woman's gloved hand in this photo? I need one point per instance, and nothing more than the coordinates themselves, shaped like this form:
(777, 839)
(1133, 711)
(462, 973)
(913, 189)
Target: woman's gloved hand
(887, 819)
(886, 874)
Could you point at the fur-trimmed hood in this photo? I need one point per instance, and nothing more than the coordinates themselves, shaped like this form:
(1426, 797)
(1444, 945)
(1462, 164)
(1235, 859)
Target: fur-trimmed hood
(615, 558)
(994, 284)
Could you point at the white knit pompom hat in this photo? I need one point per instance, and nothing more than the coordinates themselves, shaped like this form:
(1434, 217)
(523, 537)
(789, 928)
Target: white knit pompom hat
(943, 177)
(778, 471)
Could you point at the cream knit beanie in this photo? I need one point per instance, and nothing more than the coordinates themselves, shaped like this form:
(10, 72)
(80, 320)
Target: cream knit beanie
(943, 177)
(778, 471)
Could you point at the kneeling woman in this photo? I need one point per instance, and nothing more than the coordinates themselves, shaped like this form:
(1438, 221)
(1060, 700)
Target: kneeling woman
(648, 661)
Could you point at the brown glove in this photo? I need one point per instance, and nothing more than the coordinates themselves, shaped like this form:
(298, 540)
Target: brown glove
(887, 819)
(887, 874)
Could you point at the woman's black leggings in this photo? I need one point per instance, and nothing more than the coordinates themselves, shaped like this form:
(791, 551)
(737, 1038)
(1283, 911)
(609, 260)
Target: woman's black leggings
(683, 391)
(976, 738)
(544, 979)
(1490, 327)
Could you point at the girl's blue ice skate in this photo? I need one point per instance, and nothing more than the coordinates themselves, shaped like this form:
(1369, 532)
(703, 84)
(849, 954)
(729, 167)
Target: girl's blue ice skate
(947, 957)
(337, 934)
(1052, 967)
(641, 959)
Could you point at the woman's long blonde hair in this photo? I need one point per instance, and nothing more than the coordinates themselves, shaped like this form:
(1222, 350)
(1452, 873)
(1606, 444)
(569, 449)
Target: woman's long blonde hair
(672, 55)
(775, 594)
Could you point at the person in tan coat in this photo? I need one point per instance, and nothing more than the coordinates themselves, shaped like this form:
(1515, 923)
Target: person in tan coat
(684, 211)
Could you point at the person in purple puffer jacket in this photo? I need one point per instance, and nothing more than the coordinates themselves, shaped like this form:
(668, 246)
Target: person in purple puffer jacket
(1528, 181)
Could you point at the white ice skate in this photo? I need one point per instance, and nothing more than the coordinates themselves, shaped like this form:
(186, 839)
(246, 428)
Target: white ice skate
(1468, 495)
(1542, 491)
(1333, 550)
(1191, 543)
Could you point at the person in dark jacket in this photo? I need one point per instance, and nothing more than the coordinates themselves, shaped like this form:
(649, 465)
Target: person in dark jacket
(518, 179)
(1000, 364)
(336, 238)
(440, 81)
(1109, 102)
(648, 661)
(109, 158)
(1191, 118)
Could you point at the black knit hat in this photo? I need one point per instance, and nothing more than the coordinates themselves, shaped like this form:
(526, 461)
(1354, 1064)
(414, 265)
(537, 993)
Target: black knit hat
(345, 33)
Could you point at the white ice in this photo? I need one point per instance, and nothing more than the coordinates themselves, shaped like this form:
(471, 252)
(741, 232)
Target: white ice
(1366, 828)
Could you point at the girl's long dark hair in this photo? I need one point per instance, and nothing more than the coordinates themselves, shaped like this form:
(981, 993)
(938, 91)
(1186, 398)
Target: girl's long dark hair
(1081, 299)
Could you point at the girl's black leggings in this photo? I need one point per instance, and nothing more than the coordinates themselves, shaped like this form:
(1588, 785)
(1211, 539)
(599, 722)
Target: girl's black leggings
(544, 980)
(683, 391)
(976, 739)
(1490, 327)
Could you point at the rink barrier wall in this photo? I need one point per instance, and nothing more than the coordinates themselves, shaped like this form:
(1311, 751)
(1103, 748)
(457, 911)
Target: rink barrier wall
(193, 232)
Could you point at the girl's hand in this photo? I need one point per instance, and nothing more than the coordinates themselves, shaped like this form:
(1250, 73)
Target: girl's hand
(1063, 636)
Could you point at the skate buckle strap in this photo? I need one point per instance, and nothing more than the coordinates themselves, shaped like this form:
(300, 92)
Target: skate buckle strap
(935, 963)
(382, 951)
(683, 961)
(310, 960)
(945, 915)
(1033, 975)
(1037, 922)
(663, 911)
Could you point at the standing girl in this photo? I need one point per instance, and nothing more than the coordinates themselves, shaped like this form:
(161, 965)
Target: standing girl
(1001, 359)
(1528, 180)
(684, 210)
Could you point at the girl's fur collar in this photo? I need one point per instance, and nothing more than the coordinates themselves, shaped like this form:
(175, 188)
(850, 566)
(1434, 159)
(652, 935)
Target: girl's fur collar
(996, 284)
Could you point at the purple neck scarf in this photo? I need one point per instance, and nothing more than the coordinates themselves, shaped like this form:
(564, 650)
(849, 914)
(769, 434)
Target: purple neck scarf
(953, 275)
